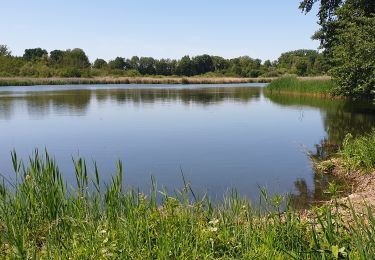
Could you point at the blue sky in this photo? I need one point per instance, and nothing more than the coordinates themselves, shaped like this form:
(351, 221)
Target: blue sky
(158, 28)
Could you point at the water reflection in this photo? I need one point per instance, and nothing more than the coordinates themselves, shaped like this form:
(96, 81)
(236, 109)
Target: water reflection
(339, 118)
(224, 137)
(76, 102)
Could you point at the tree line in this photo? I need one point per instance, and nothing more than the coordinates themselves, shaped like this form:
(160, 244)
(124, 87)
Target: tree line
(37, 62)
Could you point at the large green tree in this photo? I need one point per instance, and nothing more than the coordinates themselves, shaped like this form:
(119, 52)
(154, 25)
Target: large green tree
(347, 37)
(34, 54)
(353, 53)
(328, 17)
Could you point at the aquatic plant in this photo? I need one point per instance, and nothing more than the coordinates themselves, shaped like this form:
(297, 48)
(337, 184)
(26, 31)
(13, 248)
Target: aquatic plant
(291, 84)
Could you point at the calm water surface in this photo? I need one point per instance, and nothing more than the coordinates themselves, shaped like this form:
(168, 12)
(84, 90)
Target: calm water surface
(221, 136)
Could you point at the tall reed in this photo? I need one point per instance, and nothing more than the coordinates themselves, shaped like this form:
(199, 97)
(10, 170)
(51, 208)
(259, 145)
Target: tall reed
(291, 84)
(43, 217)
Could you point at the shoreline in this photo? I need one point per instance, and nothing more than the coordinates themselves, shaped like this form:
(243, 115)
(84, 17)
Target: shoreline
(29, 81)
(25, 81)
(362, 193)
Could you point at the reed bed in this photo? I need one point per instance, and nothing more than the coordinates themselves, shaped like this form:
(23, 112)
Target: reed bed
(322, 86)
(43, 217)
(17, 81)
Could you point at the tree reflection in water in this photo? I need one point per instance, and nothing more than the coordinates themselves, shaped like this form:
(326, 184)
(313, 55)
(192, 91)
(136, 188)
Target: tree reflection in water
(340, 117)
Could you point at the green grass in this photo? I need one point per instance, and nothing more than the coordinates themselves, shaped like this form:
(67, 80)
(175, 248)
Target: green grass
(291, 84)
(358, 154)
(42, 217)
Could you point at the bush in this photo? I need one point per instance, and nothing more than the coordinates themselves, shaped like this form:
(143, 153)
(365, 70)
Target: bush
(70, 73)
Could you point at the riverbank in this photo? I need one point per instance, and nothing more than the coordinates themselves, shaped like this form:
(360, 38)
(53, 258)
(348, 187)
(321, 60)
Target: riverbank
(41, 217)
(308, 86)
(20, 81)
(355, 163)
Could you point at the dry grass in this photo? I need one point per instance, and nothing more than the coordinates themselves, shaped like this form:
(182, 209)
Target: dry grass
(22, 81)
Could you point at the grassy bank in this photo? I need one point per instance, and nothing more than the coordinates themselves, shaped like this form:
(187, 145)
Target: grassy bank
(42, 217)
(357, 155)
(319, 86)
(20, 81)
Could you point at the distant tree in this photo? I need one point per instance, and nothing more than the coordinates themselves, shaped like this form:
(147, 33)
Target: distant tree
(299, 62)
(100, 64)
(76, 58)
(203, 64)
(56, 56)
(134, 63)
(267, 64)
(301, 66)
(185, 67)
(219, 63)
(321, 65)
(165, 67)
(10, 66)
(147, 66)
(34, 54)
(118, 63)
(4, 50)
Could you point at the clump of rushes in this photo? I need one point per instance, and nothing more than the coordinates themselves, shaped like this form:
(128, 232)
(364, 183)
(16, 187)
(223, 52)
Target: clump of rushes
(40, 217)
(358, 154)
(292, 84)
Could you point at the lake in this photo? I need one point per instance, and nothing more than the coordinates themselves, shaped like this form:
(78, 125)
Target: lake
(221, 137)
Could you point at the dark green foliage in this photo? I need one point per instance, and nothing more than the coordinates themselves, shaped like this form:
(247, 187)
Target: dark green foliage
(353, 54)
(203, 64)
(147, 66)
(100, 64)
(303, 62)
(185, 67)
(165, 67)
(34, 54)
(56, 56)
(117, 64)
(75, 63)
(347, 37)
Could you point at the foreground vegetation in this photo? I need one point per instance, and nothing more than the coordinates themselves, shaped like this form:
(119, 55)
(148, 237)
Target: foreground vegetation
(42, 217)
(312, 86)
